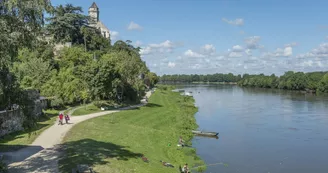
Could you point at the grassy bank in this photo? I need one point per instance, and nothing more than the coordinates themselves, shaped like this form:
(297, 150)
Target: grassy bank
(116, 142)
(88, 109)
(17, 140)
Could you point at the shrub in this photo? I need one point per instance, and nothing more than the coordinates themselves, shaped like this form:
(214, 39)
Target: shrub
(3, 166)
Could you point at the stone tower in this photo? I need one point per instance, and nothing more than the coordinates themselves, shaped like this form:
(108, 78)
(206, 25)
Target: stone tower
(94, 13)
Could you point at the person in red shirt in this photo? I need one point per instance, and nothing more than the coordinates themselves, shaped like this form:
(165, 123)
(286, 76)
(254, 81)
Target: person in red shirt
(61, 116)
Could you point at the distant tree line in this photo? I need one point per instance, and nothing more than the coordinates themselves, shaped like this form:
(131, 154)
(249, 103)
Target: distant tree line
(310, 82)
(183, 78)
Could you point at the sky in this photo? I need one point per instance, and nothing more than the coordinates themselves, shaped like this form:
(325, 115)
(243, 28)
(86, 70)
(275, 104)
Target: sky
(220, 36)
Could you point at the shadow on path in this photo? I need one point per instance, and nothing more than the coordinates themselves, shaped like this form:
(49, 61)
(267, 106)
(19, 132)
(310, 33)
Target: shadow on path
(44, 161)
(153, 105)
(22, 154)
(91, 152)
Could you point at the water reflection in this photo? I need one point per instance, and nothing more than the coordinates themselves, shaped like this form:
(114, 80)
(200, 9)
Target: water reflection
(262, 130)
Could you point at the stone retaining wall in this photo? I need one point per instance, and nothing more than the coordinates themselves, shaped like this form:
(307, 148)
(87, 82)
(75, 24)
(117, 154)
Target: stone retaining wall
(11, 121)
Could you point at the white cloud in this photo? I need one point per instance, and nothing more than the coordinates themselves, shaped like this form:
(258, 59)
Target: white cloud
(238, 22)
(191, 54)
(204, 61)
(237, 48)
(248, 52)
(235, 54)
(253, 42)
(208, 49)
(145, 51)
(171, 64)
(291, 44)
(161, 48)
(165, 44)
(287, 51)
(322, 50)
(134, 26)
(114, 35)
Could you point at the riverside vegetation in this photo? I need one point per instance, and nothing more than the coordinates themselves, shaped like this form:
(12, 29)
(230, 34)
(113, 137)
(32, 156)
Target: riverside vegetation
(115, 143)
(310, 82)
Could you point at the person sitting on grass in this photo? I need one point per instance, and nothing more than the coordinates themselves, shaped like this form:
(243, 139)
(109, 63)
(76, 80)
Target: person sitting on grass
(185, 168)
(181, 141)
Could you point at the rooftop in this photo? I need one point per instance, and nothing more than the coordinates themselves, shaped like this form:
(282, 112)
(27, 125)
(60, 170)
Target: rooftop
(94, 5)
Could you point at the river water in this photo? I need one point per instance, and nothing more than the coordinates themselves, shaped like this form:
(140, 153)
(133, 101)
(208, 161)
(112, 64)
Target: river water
(261, 130)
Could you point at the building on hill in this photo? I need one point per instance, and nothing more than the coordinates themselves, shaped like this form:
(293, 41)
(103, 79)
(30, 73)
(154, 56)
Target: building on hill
(95, 21)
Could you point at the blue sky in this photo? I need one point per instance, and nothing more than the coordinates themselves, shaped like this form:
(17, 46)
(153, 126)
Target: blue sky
(221, 36)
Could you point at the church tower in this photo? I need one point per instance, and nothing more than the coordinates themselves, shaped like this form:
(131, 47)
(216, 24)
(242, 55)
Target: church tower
(94, 13)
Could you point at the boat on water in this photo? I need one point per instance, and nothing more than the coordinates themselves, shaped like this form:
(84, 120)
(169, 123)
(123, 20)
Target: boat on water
(201, 133)
(202, 136)
(186, 94)
(178, 90)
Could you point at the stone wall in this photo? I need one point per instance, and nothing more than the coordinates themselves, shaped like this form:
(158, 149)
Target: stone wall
(11, 121)
(58, 47)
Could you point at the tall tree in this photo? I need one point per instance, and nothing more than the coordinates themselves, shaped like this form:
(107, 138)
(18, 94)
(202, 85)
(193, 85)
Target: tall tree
(65, 24)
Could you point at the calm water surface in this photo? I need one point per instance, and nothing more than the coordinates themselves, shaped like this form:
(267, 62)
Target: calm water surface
(261, 131)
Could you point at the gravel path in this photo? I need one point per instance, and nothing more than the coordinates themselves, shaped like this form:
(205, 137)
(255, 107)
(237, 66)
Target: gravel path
(43, 154)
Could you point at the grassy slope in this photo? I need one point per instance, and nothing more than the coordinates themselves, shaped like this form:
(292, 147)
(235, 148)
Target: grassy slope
(88, 109)
(115, 143)
(20, 139)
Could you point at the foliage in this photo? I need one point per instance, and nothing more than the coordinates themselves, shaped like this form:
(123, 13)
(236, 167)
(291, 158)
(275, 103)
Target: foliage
(93, 40)
(311, 82)
(3, 166)
(90, 70)
(323, 84)
(65, 23)
(30, 70)
(151, 79)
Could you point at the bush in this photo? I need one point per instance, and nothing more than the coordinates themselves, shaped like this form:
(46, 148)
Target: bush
(56, 102)
(3, 166)
(99, 103)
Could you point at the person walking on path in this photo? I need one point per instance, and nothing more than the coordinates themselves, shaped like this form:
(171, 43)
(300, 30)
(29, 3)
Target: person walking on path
(61, 116)
(66, 118)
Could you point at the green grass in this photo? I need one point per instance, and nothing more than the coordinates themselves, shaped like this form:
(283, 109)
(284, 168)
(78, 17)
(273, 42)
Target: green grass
(17, 140)
(88, 109)
(91, 108)
(115, 143)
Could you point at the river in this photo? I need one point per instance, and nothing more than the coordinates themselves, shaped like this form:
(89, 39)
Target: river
(261, 130)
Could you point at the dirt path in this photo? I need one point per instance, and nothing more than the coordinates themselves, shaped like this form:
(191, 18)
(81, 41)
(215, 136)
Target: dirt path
(43, 154)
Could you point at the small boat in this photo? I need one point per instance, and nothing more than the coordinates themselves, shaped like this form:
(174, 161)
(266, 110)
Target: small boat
(201, 133)
(202, 136)
(178, 90)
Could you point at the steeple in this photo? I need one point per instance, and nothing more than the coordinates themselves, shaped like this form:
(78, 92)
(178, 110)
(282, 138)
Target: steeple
(94, 13)
(94, 5)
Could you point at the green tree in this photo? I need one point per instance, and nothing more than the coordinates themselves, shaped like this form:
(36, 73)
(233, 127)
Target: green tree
(323, 84)
(65, 24)
(31, 71)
